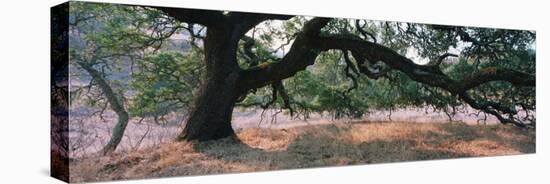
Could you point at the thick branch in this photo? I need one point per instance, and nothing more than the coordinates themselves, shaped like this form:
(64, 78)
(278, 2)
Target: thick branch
(301, 54)
(214, 18)
(490, 74)
(253, 19)
(424, 74)
(309, 44)
(194, 16)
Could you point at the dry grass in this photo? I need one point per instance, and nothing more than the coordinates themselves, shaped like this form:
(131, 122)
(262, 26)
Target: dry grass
(310, 146)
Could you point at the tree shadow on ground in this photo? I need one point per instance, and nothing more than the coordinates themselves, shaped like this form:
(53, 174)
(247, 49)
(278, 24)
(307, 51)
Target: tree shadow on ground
(316, 149)
(330, 148)
(310, 147)
(514, 138)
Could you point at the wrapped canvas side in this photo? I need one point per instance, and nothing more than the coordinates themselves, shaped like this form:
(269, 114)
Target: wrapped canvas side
(59, 92)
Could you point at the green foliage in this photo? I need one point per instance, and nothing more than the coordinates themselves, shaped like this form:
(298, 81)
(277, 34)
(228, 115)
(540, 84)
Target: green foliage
(113, 37)
(166, 82)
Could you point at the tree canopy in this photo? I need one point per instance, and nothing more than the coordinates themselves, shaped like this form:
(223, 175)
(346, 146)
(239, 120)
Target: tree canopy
(205, 62)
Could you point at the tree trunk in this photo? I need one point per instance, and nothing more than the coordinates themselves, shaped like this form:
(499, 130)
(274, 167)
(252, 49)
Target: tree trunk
(117, 133)
(116, 105)
(210, 117)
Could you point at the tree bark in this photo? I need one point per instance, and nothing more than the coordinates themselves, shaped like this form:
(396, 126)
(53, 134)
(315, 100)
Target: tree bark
(225, 81)
(116, 105)
(210, 117)
(117, 133)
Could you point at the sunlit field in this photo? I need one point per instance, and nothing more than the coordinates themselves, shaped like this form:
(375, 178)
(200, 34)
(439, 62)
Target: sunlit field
(339, 144)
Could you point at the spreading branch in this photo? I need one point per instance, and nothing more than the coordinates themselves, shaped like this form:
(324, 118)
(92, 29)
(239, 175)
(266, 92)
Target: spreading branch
(310, 43)
(297, 59)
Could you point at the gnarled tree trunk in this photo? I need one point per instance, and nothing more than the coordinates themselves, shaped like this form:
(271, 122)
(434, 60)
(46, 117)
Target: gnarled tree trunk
(225, 81)
(210, 117)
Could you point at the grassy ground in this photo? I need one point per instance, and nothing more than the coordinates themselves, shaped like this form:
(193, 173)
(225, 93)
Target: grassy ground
(310, 146)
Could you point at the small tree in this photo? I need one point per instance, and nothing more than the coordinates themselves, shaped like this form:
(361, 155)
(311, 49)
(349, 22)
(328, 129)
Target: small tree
(104, 41)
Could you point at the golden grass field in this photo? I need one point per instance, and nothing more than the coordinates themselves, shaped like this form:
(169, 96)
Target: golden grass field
(309, 146)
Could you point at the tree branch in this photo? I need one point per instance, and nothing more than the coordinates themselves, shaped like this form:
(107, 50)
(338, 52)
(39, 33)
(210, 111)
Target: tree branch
(363, 32)
(492, 108)
(300, 55)
(194, 16)
(310, 43)
(284, 94)
(424, 74)
(442, 57)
